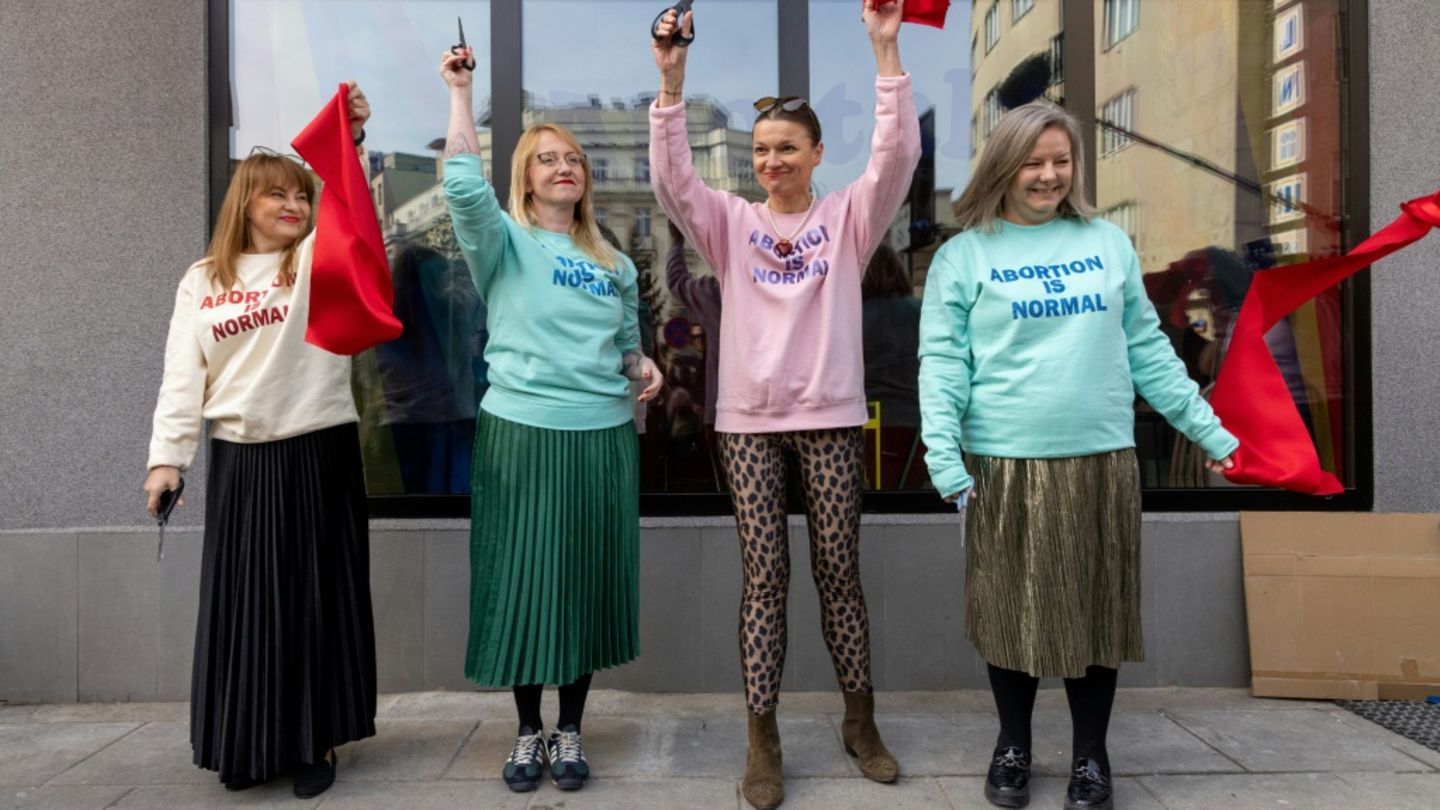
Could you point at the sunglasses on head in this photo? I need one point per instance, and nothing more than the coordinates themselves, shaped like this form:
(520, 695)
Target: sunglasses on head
(268, 152)
(788, 104)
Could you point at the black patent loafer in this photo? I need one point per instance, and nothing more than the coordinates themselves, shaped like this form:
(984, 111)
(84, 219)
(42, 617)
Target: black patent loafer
(1089, 787)
(1008, 782)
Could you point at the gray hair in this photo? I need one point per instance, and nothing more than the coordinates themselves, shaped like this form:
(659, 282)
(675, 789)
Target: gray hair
(980, 205)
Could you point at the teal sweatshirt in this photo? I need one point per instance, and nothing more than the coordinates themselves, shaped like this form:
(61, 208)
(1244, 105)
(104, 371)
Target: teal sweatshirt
(558, 322)
(1034, 341)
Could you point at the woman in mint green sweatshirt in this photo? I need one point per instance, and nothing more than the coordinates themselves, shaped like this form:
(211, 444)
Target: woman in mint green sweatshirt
(554, 537)
(1035, 337)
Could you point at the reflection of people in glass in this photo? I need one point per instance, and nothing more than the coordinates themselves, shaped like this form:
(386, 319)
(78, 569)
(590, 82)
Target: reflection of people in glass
(701, 296)
(555, 528)
(1198, 299)
(284, 666)
(891, 316)
(791, 370)
(426, 373)
(1036, 335)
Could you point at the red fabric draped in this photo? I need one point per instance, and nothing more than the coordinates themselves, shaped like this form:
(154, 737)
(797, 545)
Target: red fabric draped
(1250, 395)
(350, 295)
(924, 12)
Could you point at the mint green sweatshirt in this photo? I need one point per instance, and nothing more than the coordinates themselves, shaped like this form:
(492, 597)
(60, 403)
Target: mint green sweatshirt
(558, 322)
(1034, 341)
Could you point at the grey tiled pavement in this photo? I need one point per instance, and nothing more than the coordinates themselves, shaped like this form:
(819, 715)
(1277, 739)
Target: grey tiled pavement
(1171, 748)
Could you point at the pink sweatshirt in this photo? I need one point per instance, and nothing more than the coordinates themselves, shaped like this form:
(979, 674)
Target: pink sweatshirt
(791, 356)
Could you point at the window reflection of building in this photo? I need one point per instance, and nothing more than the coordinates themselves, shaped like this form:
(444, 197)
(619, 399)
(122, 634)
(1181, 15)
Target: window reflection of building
(1217, 94)
(1038, 29)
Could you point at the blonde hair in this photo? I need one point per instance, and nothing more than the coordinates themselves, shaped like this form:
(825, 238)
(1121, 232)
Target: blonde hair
(980, 206)
(258, 172)
(585, 230)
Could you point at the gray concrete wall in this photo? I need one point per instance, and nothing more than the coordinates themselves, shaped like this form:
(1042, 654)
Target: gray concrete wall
(93, 617)
(103, 165)
(1405, 164)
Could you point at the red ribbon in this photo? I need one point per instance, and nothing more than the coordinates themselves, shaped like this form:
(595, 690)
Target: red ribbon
(351, 298)
(1251, 397)
(924, 12)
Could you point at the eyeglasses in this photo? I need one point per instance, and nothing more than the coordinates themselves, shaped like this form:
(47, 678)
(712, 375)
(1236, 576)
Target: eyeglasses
(552, 159)
(268, 152)
(787, 103)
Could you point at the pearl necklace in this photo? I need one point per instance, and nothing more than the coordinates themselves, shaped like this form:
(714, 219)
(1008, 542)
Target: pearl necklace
(786, 244)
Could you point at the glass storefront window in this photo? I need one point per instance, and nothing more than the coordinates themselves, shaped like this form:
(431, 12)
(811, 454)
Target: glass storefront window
(1218, 151)
(416, 395)
(1224, 146)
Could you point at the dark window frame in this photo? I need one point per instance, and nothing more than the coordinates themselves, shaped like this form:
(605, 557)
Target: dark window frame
(1078, 48)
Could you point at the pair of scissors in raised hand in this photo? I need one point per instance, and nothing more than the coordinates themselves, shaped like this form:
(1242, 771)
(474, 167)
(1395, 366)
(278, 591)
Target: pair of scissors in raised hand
(468, 64)
(678, 37)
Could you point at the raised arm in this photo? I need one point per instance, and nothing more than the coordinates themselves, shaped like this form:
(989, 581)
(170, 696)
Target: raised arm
(699, 211)
(460, 136)
(883, 26)
(670, 58)
(895, 144)
(475, 213)
(699, 294)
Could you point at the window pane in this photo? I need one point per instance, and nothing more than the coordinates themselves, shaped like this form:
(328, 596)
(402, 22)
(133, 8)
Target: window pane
(600, 85)
(1233, 167)
(417, 394)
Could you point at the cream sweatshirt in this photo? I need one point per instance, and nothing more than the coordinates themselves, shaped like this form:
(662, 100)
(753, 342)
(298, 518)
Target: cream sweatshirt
(240, 360)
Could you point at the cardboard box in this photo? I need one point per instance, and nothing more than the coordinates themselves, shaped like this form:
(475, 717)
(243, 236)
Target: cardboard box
(1342, 605)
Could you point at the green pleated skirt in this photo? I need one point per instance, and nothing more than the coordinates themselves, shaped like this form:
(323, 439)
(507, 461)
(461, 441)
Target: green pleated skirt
(1052, 563)
(554, 553)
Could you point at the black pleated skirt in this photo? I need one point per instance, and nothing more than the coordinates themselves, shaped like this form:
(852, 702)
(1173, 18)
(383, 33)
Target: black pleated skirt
(285, 646)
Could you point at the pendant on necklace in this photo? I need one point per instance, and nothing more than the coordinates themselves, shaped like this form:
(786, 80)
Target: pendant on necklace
(783, 247)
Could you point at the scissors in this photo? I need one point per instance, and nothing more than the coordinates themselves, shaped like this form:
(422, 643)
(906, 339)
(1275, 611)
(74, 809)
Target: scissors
(168, 499)
(678, 37)
(468, 64)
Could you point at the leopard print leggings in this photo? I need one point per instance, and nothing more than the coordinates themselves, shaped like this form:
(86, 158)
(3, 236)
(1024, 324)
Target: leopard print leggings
(831, 476)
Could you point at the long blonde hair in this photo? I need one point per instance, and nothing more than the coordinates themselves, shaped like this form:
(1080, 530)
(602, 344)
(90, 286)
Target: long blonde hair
(259, 172)
(979, 207)
(585, 230)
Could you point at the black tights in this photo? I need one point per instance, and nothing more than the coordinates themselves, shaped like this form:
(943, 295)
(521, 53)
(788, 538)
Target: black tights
(1091, 698)
(572, 704)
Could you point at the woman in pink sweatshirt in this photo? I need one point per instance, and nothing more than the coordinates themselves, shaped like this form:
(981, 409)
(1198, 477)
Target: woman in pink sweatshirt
(791, 367)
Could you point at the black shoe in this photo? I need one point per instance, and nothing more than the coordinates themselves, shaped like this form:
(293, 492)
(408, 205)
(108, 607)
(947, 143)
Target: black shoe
(526, 762)
(314, 778)
(1089, 787)
(1008, 782)
(568, 768)
(241, 783)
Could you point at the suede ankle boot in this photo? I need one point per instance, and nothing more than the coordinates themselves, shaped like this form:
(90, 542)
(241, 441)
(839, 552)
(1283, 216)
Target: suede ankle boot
(862, 739)
(763, 786)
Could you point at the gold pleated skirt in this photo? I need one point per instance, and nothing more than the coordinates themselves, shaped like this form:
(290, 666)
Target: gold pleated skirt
(1052, 562)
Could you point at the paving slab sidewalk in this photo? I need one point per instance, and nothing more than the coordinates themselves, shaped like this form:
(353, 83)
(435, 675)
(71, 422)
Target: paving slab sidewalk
(1171, 748)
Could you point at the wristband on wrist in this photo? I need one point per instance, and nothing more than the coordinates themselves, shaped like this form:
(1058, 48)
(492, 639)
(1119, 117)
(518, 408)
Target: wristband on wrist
(360, 139)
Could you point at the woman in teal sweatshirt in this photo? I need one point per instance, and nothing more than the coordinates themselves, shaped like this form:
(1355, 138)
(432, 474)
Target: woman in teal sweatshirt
(1035, 337)
(554, 537)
